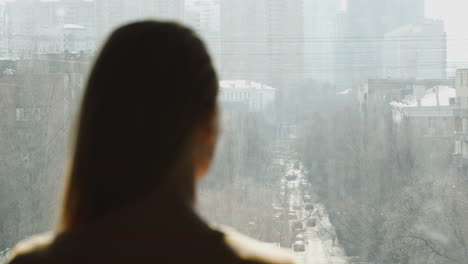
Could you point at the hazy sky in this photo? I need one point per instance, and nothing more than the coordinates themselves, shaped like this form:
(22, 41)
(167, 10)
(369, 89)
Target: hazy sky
(454, 14)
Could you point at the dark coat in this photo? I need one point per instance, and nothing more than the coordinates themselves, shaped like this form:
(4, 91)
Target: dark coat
(147, 233)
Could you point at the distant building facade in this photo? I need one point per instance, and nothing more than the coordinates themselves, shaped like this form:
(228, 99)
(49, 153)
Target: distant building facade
(380, 92)
(246, 95)
(320, 32)
(416, 51)
(32, 26)
(43, 27)
(204, 17)
(361, 29)
(424, 125)
(461, 125)
(262, 40)
(112, 13)
(430, 115)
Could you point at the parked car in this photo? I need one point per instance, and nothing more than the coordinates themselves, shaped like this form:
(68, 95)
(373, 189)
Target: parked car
(278, 208)
(277, 215)
(291, 177)
(300, 237)
(297, 225)
(311, 223)
(292, 216)
(309, 207)
(299, 246)
(297, 206)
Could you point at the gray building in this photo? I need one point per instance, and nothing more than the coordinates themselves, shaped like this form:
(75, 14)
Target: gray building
(461, 125)
(416, 51)
(361, 30)
(42, 27)
(262, 41)
(112, 13)
(204, 17)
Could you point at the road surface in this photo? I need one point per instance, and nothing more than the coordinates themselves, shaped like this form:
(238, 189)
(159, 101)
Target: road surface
(318, 249)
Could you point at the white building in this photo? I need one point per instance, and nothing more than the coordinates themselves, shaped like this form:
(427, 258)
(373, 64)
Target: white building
(416, 52)
(249, 94)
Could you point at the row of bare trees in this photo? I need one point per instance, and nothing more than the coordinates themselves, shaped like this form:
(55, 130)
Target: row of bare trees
(37, 111)
(393, 195)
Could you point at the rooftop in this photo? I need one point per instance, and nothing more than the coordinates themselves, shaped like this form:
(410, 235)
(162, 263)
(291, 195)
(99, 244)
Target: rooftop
(243, 84)
(73, 26)
(430, 98)
(347, 91)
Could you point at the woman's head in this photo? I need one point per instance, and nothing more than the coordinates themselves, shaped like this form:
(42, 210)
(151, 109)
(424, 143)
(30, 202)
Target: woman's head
(150, 101)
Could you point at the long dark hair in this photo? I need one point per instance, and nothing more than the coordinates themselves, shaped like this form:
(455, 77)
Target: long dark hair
(151, 85)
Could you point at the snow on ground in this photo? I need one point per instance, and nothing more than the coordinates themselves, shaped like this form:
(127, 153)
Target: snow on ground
(322, 246)
(3, 255)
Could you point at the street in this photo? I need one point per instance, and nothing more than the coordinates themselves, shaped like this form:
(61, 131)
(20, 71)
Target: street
(319, 238)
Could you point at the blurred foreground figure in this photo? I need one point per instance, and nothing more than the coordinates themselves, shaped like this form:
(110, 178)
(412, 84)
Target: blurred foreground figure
(146, 135)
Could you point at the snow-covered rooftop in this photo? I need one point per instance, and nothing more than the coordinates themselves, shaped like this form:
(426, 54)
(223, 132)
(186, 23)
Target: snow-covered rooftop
(347, 91)
(73, 26)
(243, 84)
(430, 98)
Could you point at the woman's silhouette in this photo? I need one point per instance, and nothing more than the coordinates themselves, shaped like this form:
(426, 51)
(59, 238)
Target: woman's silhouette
(146, 134)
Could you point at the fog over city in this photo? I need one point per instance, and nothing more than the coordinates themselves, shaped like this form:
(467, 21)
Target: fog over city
(343, 125)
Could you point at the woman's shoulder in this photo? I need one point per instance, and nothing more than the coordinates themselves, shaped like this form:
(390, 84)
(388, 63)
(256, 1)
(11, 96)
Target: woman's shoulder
(253, 251)
(23, 251)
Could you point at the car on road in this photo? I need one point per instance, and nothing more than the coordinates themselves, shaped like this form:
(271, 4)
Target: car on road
(292, 216)
(300, 237)
(297, 206)
(297, 225)
(278, 208)
(277, 215)
(291, 185)
(298, 246)
(311, 223)
(309, 207)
